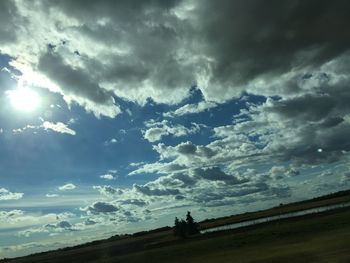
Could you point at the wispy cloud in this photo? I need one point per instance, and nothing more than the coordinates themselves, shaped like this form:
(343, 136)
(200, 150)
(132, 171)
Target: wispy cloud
(58, 127)
(51, 195)
(67, 187)
(191, 109)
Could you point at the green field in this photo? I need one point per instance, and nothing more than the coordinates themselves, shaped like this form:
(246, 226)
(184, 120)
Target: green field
(314, 238)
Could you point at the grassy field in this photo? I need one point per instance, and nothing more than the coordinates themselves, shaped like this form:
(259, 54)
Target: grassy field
(323, 238)
(314, 238)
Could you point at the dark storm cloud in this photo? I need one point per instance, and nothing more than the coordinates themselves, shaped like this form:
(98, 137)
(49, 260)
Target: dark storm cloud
(108, 190)
(8, 17)
(101, 207)
(227, 196)
(121, 10)
(146, 29)
(146, 190)
(186, 148)
(75, 81)
(60, 225)
(328, 102)
(319, 121)
(280, 191)
(313, 146)
(185, 178)
(307, 108)
(331, 122)
(159, 49)
(251, 38)
(216, 174)
(175, 180)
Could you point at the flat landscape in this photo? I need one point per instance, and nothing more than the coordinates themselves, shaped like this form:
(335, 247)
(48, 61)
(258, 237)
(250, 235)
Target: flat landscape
(174, 131)
(322, 237)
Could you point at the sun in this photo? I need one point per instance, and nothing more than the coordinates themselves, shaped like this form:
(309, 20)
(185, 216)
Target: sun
(24, 99)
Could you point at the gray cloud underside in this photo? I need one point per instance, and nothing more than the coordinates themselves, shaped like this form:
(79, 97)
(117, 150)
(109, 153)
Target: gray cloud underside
(101, 207)
(157, 130)
(8, 20)
(108, 190)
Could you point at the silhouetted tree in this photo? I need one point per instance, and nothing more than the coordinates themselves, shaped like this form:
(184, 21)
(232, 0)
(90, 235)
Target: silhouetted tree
(177, 227)
(192, 226)
(184, 228)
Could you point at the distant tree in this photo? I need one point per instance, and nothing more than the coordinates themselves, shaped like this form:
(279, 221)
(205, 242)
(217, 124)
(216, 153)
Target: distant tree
(186, 228)
(192, 226)
(183, 229)
(177, 227)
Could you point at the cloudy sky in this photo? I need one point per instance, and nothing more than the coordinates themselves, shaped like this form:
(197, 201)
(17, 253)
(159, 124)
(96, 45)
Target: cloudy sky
(117, 116)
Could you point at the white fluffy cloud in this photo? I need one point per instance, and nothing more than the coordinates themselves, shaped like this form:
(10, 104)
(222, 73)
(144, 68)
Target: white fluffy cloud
(7, 195)
(107, 177)
(156, 130)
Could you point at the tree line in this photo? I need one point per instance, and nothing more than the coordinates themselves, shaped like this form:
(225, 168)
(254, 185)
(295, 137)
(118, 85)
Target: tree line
(184, 228)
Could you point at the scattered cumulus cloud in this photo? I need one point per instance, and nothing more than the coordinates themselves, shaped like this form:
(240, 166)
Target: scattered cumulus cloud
(6, 195)
(111, 141)
(108, 190)
(107, 177)
(156, 130)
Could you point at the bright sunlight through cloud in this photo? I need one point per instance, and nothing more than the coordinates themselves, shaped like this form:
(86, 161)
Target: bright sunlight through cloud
(24, 99)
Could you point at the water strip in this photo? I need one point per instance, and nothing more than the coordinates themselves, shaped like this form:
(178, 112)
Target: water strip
(274, 218)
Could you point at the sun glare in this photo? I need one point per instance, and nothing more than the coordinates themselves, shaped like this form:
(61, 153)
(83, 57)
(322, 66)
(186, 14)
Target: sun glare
(24, 99)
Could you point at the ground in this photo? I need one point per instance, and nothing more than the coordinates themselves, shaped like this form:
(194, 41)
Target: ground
(323, 237)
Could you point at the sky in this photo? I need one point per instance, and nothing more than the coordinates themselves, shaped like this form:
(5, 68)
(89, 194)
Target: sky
(117, 116)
